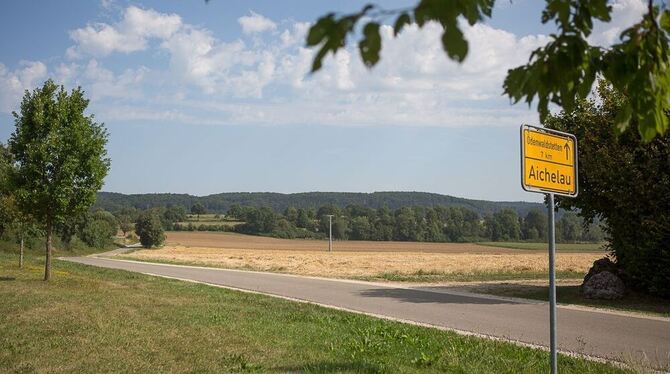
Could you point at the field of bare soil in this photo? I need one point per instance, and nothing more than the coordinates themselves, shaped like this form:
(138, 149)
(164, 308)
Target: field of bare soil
(227, 240)
(400, 261)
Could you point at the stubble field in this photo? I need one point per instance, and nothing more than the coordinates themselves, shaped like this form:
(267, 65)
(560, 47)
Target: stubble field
(396, 261)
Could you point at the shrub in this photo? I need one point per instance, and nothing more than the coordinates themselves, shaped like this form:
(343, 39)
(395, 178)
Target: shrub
(150, 229)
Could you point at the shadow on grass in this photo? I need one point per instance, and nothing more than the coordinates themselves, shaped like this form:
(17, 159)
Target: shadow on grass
(2, 279)
(420, 296)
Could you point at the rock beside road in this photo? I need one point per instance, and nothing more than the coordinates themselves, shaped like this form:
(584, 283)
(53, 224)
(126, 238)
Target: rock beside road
(600, 265)
(603, 281)
(603, 285)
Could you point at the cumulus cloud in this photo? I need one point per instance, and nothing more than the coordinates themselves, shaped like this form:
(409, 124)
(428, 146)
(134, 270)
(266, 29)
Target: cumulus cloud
(129, 35)
(102, 82)
(14, 83)
(263, 77)
(625, 13)
(256, 23)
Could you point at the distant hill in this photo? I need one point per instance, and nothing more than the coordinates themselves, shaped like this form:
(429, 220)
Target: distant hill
(220, 203)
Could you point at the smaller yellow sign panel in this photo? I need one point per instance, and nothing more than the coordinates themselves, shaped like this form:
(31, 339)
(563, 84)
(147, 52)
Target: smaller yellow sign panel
(548, 161)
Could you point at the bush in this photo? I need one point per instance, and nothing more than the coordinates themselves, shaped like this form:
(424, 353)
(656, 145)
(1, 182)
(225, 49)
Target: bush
(96, 233)
(150, 229)
(624, 182)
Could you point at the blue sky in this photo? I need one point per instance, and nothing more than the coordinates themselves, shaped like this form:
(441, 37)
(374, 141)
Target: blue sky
(214, 97)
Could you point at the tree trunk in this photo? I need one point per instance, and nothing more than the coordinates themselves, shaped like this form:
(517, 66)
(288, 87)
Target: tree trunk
(21, 252)
(47, 263)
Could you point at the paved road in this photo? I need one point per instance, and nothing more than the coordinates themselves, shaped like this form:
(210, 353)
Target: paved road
(592, 333)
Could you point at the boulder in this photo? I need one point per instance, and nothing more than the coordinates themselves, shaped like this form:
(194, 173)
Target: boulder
(603, 264)
(603, 285)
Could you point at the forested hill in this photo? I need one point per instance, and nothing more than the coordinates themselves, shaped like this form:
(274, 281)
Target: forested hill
(220, 203)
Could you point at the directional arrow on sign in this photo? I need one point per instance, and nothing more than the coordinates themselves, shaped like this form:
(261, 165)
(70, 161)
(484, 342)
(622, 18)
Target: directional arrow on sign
(567, 151)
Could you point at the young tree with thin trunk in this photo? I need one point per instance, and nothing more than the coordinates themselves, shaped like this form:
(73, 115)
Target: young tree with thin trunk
(59, 158)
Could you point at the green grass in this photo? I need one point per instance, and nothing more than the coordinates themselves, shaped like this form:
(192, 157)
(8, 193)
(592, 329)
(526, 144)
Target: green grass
(563, 247)
(632, 301)
(480, 276)
(100, 320)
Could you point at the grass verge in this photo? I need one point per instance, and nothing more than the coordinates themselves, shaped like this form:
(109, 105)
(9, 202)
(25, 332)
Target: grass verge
(631, 302)
(478, 276)
(563, 247)
(100, 320)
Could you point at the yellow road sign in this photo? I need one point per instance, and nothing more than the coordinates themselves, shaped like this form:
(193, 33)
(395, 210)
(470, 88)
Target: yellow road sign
(548, 161)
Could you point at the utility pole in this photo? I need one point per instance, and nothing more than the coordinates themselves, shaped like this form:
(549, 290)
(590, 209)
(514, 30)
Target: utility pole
(330, 232)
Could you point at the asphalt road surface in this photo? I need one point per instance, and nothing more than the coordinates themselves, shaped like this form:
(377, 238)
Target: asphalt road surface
(613, 336)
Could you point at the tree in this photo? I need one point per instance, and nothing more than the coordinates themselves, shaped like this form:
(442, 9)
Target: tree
(291, 214)
(198, 209)
(570, 227)
(174, 214)
(303, 220)
(534, 225)
(360, 228)
(235, 211)
(503, 225)
(7, 203)
(562, 72)
(59, 157)
(624, 182)
(150, 229)
(407, 226)
(97, 229)
(125, 224)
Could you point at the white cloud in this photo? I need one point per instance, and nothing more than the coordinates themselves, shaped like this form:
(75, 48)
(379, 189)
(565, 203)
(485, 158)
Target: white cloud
(256, 23)
(625, 13)
(264, 78)
(129, 35)
(13, 84)
(102, 83)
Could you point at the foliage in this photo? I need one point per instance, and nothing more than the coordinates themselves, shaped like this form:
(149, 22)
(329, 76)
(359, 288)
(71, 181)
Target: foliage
(59, 157)
(626, 182)
(503, 225)
(150, 229)
(423, 224)
(97, 229)
(309, 202)
(8, 209)
(198, 209)
(561, 72)
(534, 226)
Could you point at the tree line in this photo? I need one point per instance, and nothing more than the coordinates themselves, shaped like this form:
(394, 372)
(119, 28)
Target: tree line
(221, 203)
(422, 224)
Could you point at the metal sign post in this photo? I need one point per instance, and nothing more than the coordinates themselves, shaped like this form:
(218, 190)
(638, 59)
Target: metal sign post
(549, 166)
(552, 284)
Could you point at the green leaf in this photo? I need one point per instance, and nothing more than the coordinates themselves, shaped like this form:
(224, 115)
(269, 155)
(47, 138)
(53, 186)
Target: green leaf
(454, 43)
(402, 21)
(320, 29)
(370, 44)
(665, 20)
(622, 118)
(317, 63)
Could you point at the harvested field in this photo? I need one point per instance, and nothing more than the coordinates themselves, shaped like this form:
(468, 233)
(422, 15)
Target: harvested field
(238, 241)
(362, 260)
